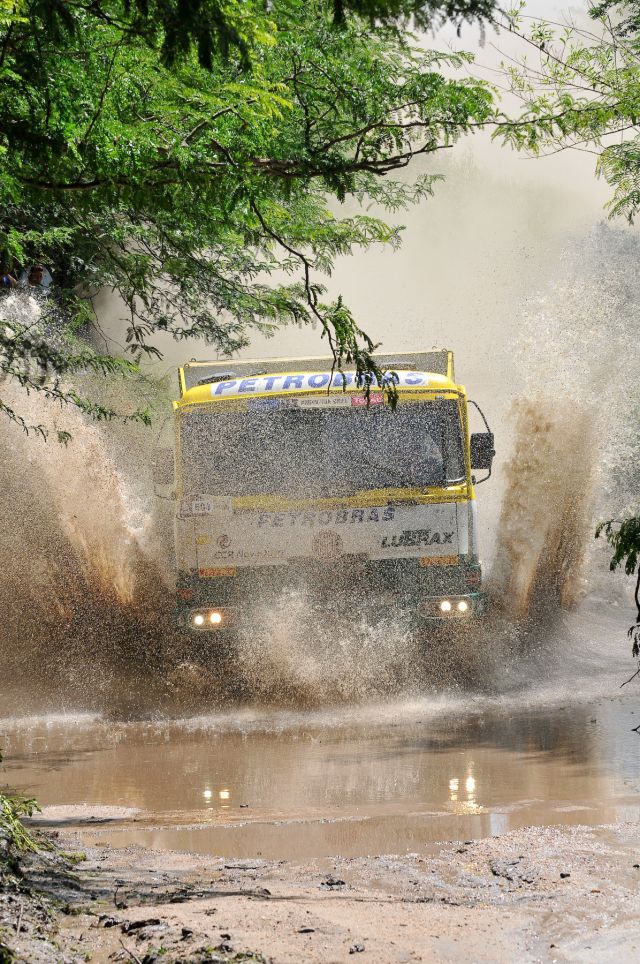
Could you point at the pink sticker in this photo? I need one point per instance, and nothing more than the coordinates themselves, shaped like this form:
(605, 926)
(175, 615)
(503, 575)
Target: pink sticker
(359, 401)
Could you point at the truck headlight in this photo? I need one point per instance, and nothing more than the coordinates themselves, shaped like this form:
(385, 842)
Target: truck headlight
(445, 606)
(215, 618)
(463, 605)
(198, 619)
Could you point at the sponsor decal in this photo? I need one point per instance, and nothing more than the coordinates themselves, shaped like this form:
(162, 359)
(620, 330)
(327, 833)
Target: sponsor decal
(325, 517)
(306, 402)
(238, 555)
(196, 507)
(199, 505)
(224, 542)
(414, 538)
(327, 545)
(317, 401)
(360, 401)
(305, 382)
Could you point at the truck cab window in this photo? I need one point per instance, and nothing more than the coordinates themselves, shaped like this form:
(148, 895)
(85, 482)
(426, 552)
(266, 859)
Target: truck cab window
(322, 452)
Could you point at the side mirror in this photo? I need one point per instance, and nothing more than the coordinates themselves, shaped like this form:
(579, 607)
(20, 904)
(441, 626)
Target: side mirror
(482, 450)
(162, 467)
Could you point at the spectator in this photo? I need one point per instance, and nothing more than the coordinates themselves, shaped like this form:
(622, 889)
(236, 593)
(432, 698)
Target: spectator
(7, 280)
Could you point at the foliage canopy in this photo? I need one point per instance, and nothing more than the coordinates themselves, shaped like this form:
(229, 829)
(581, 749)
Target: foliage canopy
(624, 538)
(183, 176)
(581, 90)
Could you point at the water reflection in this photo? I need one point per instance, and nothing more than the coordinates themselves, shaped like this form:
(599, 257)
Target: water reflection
(463, 776)
(463, 801)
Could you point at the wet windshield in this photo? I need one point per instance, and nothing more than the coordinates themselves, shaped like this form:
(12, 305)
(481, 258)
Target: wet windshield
(316, 452)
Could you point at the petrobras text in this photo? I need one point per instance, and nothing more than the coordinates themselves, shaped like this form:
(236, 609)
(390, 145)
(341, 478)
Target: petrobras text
(326, 517)
(315, 380)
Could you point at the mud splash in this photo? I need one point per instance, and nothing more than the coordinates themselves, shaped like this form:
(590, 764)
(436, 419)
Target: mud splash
(544, 526)
(91, 615)
(84, 601)
(87, 564)
(90, 599)
(312, 659)
(573, 426)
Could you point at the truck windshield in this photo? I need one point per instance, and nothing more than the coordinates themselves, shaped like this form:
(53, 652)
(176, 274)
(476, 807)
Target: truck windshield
(320, 453)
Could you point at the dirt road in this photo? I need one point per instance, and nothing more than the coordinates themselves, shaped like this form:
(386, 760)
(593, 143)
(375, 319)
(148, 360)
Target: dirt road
(538, 894)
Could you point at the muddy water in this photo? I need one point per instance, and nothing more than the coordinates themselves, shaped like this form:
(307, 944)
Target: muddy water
(384, 778)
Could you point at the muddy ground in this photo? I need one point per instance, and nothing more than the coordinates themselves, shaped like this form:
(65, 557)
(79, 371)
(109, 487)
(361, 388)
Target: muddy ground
(493, 824)
(537, 894)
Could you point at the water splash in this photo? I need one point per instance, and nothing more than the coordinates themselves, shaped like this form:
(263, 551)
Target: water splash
(87, 592)
(98, 515)
(544, 523)
(80, 591)
(310, 657)
(574, 429)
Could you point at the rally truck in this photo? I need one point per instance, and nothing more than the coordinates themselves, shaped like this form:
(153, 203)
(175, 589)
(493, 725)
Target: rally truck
(291, 476)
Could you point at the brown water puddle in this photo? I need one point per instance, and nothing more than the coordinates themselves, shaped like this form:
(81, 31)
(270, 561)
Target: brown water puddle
(297, 786)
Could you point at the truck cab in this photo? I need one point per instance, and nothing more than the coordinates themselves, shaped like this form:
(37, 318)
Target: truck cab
(290, 476)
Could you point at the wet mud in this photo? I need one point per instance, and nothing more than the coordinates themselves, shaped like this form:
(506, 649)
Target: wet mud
(556, 894)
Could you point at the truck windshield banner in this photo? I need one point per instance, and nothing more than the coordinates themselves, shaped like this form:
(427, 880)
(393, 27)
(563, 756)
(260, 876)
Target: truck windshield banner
(315, 380)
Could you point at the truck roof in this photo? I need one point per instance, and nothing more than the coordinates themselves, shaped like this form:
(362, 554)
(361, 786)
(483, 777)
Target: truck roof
(437, 361)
